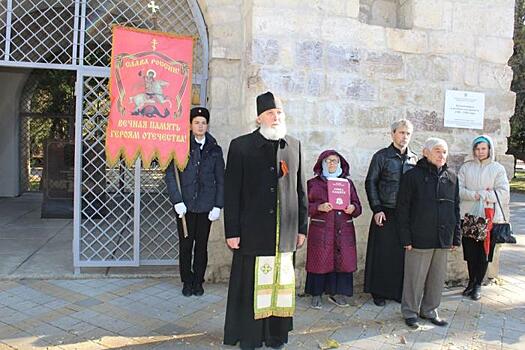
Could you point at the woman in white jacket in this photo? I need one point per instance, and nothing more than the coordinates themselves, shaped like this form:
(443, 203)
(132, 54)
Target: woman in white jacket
(482, 178)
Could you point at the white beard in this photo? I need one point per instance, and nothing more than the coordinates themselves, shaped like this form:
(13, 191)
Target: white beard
(273, 132)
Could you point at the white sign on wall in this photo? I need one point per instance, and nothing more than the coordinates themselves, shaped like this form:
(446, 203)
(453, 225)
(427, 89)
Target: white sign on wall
(464, 109)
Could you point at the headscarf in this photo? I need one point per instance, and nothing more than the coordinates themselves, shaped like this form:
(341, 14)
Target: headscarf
(320, 164)
(327, 174)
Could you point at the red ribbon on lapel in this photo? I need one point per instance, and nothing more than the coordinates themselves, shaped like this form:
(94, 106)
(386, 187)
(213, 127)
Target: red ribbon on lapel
(284, 168)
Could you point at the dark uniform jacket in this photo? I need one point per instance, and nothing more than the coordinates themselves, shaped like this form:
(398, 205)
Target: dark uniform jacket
(202, 181)
(384, 176)
(254, 178)
(428, 207)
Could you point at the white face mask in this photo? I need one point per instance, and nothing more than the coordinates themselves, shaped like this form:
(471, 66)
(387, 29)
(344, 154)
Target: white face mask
(276, 132)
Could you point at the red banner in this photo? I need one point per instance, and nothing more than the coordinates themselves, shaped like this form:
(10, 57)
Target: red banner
(150, 89)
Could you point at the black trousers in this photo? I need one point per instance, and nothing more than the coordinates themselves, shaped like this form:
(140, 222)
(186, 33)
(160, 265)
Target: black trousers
(477, 260)
(194, 246)
(477, 271)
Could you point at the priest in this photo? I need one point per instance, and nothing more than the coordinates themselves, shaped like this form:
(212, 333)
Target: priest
(265, 219)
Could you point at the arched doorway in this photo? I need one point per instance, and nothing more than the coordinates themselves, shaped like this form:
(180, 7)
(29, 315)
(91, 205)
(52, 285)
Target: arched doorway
(122, 217)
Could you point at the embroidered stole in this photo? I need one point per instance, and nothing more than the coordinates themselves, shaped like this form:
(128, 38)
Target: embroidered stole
(274, 290)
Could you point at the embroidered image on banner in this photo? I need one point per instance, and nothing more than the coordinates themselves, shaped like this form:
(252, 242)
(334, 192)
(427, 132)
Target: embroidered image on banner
(150, 88)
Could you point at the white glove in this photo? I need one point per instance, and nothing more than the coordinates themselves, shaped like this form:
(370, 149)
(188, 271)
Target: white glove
(214, 214)
(181, 209)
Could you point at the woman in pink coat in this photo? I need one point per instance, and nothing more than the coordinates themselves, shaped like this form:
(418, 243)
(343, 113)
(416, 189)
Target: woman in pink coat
(331, 255)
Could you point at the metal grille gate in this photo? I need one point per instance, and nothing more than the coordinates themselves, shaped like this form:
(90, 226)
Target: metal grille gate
(123, 216)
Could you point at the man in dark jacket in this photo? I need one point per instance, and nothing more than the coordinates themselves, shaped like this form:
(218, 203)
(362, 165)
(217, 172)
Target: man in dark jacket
(429, 226)
(384, 254)
(265, 220)
(202, 198)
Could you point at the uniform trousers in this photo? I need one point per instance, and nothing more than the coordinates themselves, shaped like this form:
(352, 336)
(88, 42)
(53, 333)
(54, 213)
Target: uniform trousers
(194, 246)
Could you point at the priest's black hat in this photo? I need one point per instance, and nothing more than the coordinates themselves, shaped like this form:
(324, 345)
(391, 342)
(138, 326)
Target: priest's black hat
(200, 112)
(267, 101)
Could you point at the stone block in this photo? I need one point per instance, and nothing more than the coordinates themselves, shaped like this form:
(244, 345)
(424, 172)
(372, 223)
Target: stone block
(360, 89)
(470, 72)
(225, 13)
(494, 76)
(328, 7)
(428, 96)
(283, 81)
(219, 92)
(493, 49)
(482, 18)
(426, 121)
(342, 58)
(352, 8)
(387, 65)
(295, 111)
(395, 92)
(225, 41)
(316, 83)
(500, 102)
(378, 117)
(452, 43)
(285, 23)
(265, 51)
(505, 159)
(505, 129)
(224, 68)
(308, 53)
(456, 160)
(351, 86)
(428, 14)
(352, 32)
(493, 268)
(491, 126)
(332, 114)
(456, 266)
(418, 67)
(411, 41)
(441, 68)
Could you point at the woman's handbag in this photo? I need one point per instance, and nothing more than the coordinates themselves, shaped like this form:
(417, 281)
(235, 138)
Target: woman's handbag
(474, 224)
(502, 233)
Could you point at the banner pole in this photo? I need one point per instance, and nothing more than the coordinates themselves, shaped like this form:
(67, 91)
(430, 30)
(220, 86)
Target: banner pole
(183, 218)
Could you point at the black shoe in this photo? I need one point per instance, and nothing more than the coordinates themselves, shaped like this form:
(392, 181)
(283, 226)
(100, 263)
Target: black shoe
(275, 344)
(187, 290)
(198, 290)
(436, 320)
(476, 293)
(412, 322)
(379, 301)
(468, 290)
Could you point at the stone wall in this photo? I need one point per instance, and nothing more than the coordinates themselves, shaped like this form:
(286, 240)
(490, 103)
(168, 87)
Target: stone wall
(343, 80)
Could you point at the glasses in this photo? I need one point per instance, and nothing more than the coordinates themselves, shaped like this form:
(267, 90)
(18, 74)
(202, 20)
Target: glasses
(335, 161)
